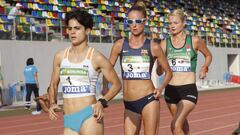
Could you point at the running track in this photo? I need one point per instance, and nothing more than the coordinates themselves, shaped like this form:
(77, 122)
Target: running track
(217, 113)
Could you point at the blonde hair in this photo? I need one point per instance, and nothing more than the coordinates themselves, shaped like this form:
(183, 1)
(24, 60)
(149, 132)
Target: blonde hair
(178, 13)
(139, 6)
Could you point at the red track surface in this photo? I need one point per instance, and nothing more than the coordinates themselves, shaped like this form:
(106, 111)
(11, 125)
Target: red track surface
(217, 113)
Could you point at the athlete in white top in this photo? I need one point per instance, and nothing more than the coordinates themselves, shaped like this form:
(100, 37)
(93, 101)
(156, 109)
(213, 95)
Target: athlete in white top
(78, 80)
(77, 69)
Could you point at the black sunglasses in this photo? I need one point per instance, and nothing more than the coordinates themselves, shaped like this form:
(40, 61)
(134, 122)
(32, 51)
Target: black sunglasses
(136, 21)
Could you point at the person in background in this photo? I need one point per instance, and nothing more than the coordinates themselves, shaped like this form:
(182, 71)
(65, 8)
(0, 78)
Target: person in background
(43, 100)
(32, 84)
(11, 17)
(1, 86)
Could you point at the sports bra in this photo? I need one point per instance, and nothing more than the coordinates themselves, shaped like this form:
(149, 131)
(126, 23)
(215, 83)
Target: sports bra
(182, 59)
(78, 79)
(136, 64)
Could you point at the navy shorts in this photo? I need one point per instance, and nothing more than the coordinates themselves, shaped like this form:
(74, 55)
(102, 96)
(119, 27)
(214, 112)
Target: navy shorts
(138, 105)
(173, 94)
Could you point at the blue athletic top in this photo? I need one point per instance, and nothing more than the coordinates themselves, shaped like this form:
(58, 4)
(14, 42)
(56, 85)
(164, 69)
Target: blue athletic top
(136, 64)
(29, 72)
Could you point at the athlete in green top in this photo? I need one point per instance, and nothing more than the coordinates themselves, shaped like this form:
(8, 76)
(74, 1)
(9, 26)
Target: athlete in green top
(183, 59)
(181, 51)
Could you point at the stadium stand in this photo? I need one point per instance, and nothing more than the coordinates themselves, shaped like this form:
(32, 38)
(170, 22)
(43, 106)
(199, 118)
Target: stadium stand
(217, 22)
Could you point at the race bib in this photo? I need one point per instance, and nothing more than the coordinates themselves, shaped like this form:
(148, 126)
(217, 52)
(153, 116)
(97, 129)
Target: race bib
(136, 67)
(74, 80)
(180, 64)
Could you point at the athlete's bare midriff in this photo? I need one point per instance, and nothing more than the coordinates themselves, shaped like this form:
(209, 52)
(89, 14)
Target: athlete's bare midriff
(136, 89)
(182, 78)
(72, 105)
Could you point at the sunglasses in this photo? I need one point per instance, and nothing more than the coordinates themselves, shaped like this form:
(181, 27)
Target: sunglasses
(136, 21)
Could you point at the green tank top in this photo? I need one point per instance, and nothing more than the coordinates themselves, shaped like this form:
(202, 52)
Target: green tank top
(182, 59)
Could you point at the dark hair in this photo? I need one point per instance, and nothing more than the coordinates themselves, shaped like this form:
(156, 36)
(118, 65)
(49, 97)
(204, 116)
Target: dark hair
(83, 17)
(139, 6)
(30, 61)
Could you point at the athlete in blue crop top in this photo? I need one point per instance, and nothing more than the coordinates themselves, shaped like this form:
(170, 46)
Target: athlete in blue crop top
(137, 55)
(77, 68)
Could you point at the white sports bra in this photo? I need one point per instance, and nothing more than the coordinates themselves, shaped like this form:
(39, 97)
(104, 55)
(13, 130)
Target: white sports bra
(78, 79)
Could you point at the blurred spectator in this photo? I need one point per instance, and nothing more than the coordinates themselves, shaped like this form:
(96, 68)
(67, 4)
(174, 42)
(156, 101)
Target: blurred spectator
(1, 86)
(11, 17)
(43, 101)
(32, 85)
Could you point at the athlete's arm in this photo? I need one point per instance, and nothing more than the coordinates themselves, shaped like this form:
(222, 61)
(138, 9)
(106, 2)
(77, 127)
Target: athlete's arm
(104, 66)
(116, 49)
(159, 54)
(201, 46)
(54, 85)
(109, 73)
(159, 70)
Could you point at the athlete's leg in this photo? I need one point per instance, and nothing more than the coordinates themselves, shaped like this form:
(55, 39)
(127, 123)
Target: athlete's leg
(132, 123)
(186, 127)
(92, 127)
(179, 122)
(151, 117)
(173, 110)
(68, 131)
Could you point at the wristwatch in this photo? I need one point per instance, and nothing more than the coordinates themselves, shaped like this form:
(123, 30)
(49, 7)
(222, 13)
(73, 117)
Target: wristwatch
(104, 102)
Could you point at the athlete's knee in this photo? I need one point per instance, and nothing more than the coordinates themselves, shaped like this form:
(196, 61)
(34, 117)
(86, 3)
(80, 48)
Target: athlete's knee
(176, 128)
(178, 131)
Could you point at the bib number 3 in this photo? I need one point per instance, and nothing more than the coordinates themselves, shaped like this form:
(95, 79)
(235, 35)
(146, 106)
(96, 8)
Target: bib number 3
(130, 68)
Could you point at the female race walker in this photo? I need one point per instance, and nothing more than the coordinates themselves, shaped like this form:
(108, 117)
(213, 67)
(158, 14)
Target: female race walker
(181, 51)
(77, 68)
(137, 55)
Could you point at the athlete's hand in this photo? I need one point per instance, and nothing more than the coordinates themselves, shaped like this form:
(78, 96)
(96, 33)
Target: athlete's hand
(98, 111)
(202, 75)
(157, 93)
(51, 111)
(203, 72)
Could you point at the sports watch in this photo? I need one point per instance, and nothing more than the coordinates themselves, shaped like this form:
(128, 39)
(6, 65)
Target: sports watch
(104, 102)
